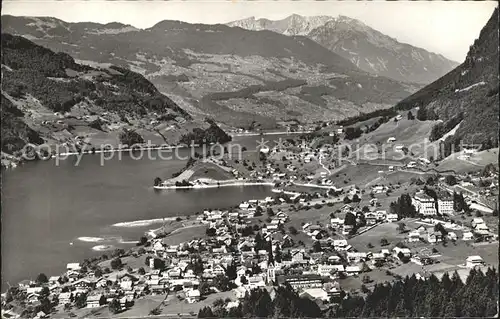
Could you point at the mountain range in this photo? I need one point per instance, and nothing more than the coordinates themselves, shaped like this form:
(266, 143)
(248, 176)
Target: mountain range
(237, 76)
(65, 80)
(367, 48)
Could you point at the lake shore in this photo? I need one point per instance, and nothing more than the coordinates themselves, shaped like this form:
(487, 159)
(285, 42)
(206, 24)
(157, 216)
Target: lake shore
(215, 185)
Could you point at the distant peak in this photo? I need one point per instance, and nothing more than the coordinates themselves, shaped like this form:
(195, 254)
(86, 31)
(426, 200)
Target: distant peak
(248, 19)
(165, 24)
(349, 19)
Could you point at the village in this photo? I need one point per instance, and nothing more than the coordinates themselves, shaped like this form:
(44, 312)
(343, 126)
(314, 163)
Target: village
(322, 237)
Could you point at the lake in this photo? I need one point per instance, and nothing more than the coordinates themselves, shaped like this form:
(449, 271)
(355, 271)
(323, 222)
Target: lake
(46, 207)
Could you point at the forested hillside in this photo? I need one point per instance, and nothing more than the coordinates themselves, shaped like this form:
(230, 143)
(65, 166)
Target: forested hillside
(471, 90)
(60, 83)
(48, 97)
(467, 97)
(15, 133)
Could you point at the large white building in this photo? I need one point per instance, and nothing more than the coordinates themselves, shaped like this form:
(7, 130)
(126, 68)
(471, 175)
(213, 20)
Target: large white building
(424, 204)
(445, 205)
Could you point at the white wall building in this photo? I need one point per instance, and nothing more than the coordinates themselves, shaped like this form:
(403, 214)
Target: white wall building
(424, 204)
(445, 206)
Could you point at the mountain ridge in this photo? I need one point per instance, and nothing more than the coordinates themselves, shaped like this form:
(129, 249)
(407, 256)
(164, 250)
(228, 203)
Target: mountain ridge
(199, 65)
(470, 89)
(353, 40)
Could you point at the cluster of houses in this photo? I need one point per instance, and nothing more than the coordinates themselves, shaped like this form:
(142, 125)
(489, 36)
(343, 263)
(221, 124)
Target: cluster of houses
(371, 217)
(76, 281)
(232, 242)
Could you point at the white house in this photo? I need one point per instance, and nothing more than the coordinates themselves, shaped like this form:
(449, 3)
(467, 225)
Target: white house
(73, 266)
(477, 221)
(54, 280)
(352, 270)
(326, 270)
(473, 261)
(193, 296)
(405, 251)
(467, 236)
(244, 205)
(392, 218)
(340, 244)
(256, 282)
(336, 222)
(381, 214)
(413, 236)
(94, 301)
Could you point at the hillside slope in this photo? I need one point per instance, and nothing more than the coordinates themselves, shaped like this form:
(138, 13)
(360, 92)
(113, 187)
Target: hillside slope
(234, 75)
(48, 97)
(469, 92)
(365, 47)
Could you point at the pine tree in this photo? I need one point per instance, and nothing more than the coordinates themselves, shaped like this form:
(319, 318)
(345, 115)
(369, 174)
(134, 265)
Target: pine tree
(264, 305)
(205, 312)
(450, 309)
(279, 255)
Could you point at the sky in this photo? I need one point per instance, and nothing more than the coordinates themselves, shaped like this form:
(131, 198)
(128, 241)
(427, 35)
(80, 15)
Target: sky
(445, 27)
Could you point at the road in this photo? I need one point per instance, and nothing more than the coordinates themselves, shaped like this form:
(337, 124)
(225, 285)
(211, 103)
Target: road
(323, 165)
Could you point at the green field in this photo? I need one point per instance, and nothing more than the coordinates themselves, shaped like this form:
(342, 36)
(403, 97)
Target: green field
(475, 163)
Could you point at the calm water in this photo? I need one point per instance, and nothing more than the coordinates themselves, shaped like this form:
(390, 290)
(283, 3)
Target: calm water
(46, 207)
